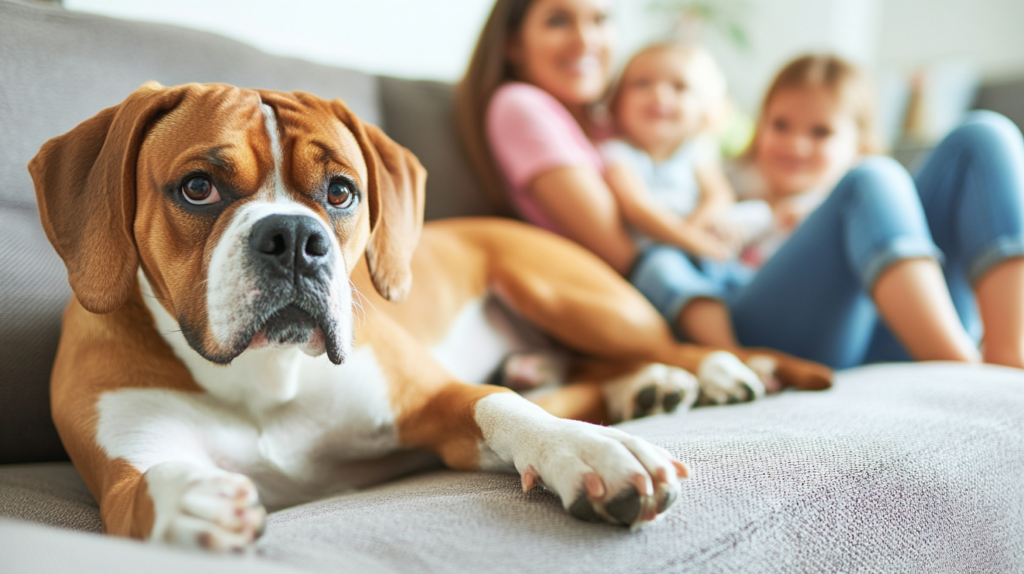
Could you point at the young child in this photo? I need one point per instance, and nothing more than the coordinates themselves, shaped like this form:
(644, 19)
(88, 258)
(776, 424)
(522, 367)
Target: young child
(815, 125)
(817, 121)
(665, 171)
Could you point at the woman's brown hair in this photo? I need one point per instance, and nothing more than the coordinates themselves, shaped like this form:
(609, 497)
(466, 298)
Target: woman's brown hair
(852, 89)
(488, 70)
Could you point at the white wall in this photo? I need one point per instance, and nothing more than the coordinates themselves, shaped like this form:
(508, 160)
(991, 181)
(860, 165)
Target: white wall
(407, 38)
(777, 30)
(433, 38)
(988, 32)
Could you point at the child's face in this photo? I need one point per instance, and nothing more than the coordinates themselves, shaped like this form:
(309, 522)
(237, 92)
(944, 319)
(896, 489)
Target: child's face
(659, 105)
(806, 141)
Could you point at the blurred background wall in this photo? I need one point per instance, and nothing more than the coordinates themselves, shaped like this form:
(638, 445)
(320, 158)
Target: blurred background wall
(946, 46)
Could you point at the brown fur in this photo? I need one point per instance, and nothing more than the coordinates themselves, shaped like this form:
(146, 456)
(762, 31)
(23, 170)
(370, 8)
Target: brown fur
(104, 188)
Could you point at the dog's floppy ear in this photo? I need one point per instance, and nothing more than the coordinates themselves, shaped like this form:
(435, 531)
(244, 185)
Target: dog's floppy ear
(85, 187)
(396, 194)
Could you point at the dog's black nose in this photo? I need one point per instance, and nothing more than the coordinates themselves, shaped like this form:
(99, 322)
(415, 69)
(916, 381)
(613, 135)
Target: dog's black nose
(290, 243)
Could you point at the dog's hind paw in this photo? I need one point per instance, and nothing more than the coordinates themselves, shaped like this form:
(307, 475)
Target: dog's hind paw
(654, 389)
(724, 379)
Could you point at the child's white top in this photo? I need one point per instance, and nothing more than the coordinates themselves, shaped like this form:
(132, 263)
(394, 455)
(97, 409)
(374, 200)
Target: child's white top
(766, 235)
(672, 182)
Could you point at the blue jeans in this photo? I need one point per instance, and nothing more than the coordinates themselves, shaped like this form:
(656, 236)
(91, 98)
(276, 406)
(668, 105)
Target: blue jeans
(965, 208)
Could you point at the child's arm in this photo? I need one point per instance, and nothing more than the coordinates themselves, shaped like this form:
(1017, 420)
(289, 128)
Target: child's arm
(641, 212)
(716, 195)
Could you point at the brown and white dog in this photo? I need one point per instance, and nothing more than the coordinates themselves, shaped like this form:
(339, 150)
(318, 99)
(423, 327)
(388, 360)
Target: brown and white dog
(211, 366)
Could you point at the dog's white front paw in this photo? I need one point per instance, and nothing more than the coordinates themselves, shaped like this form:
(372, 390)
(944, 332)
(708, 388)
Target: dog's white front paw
(202, 508)
(604, 474)
(723, 378)
(600, 473)
(654, 389)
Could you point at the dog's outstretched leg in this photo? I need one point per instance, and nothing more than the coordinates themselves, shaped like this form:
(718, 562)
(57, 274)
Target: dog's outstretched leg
(588, 308)
(600, 473)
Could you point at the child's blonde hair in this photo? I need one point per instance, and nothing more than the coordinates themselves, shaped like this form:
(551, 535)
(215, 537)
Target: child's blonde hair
(851, 87)
(711, 85)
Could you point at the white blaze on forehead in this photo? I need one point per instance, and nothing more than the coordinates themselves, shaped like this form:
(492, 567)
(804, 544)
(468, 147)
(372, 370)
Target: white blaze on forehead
(276, 180)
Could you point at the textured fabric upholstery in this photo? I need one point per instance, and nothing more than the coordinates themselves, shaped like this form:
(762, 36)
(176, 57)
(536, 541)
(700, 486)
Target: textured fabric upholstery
(899, 468)
(30, 549)
(48, 493)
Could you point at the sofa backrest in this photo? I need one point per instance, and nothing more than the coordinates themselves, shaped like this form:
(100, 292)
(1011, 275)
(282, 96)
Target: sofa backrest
(58, 68)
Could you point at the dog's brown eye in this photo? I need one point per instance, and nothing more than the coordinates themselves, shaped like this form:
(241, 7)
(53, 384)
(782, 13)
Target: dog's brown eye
(200, 190)
(340, 194)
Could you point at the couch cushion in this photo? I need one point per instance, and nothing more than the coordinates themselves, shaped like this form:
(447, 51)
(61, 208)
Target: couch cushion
(32, 298)
(420, 115)
(899, 468)
(58, 68)
(30, 549)
(48, 493)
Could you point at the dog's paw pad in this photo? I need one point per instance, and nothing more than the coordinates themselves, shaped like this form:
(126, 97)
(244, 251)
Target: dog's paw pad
(625, 507)
(651, 390)
(584, 509)
(670, 402)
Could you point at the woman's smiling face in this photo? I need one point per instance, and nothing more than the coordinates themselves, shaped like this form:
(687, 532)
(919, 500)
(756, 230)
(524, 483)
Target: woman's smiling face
(564, 48)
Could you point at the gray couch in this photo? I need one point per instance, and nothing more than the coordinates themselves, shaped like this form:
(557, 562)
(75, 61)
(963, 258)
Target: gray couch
(899, 468)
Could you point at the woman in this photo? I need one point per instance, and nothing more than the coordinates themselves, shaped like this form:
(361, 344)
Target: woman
(524, 114)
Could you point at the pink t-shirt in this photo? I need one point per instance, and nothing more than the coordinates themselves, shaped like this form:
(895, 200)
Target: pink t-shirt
(530, 132)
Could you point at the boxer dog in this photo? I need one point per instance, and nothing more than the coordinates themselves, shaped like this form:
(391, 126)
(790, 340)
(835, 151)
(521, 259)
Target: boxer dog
(244, 334)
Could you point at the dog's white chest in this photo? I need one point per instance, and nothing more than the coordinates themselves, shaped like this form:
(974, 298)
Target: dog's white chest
(299, 426)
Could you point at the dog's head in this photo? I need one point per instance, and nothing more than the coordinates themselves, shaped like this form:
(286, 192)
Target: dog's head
(246, 209)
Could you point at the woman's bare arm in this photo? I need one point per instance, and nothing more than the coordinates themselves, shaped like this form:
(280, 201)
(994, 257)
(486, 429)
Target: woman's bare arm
(580, 203)
(642, 212)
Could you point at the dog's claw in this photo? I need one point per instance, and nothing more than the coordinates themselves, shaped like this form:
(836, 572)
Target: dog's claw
(681, 469)
(529, 479)
(667, 498)
(594, 486)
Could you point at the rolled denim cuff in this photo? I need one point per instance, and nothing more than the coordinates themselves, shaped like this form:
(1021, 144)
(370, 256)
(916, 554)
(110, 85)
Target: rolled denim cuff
(897, 250)
(998, 250)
